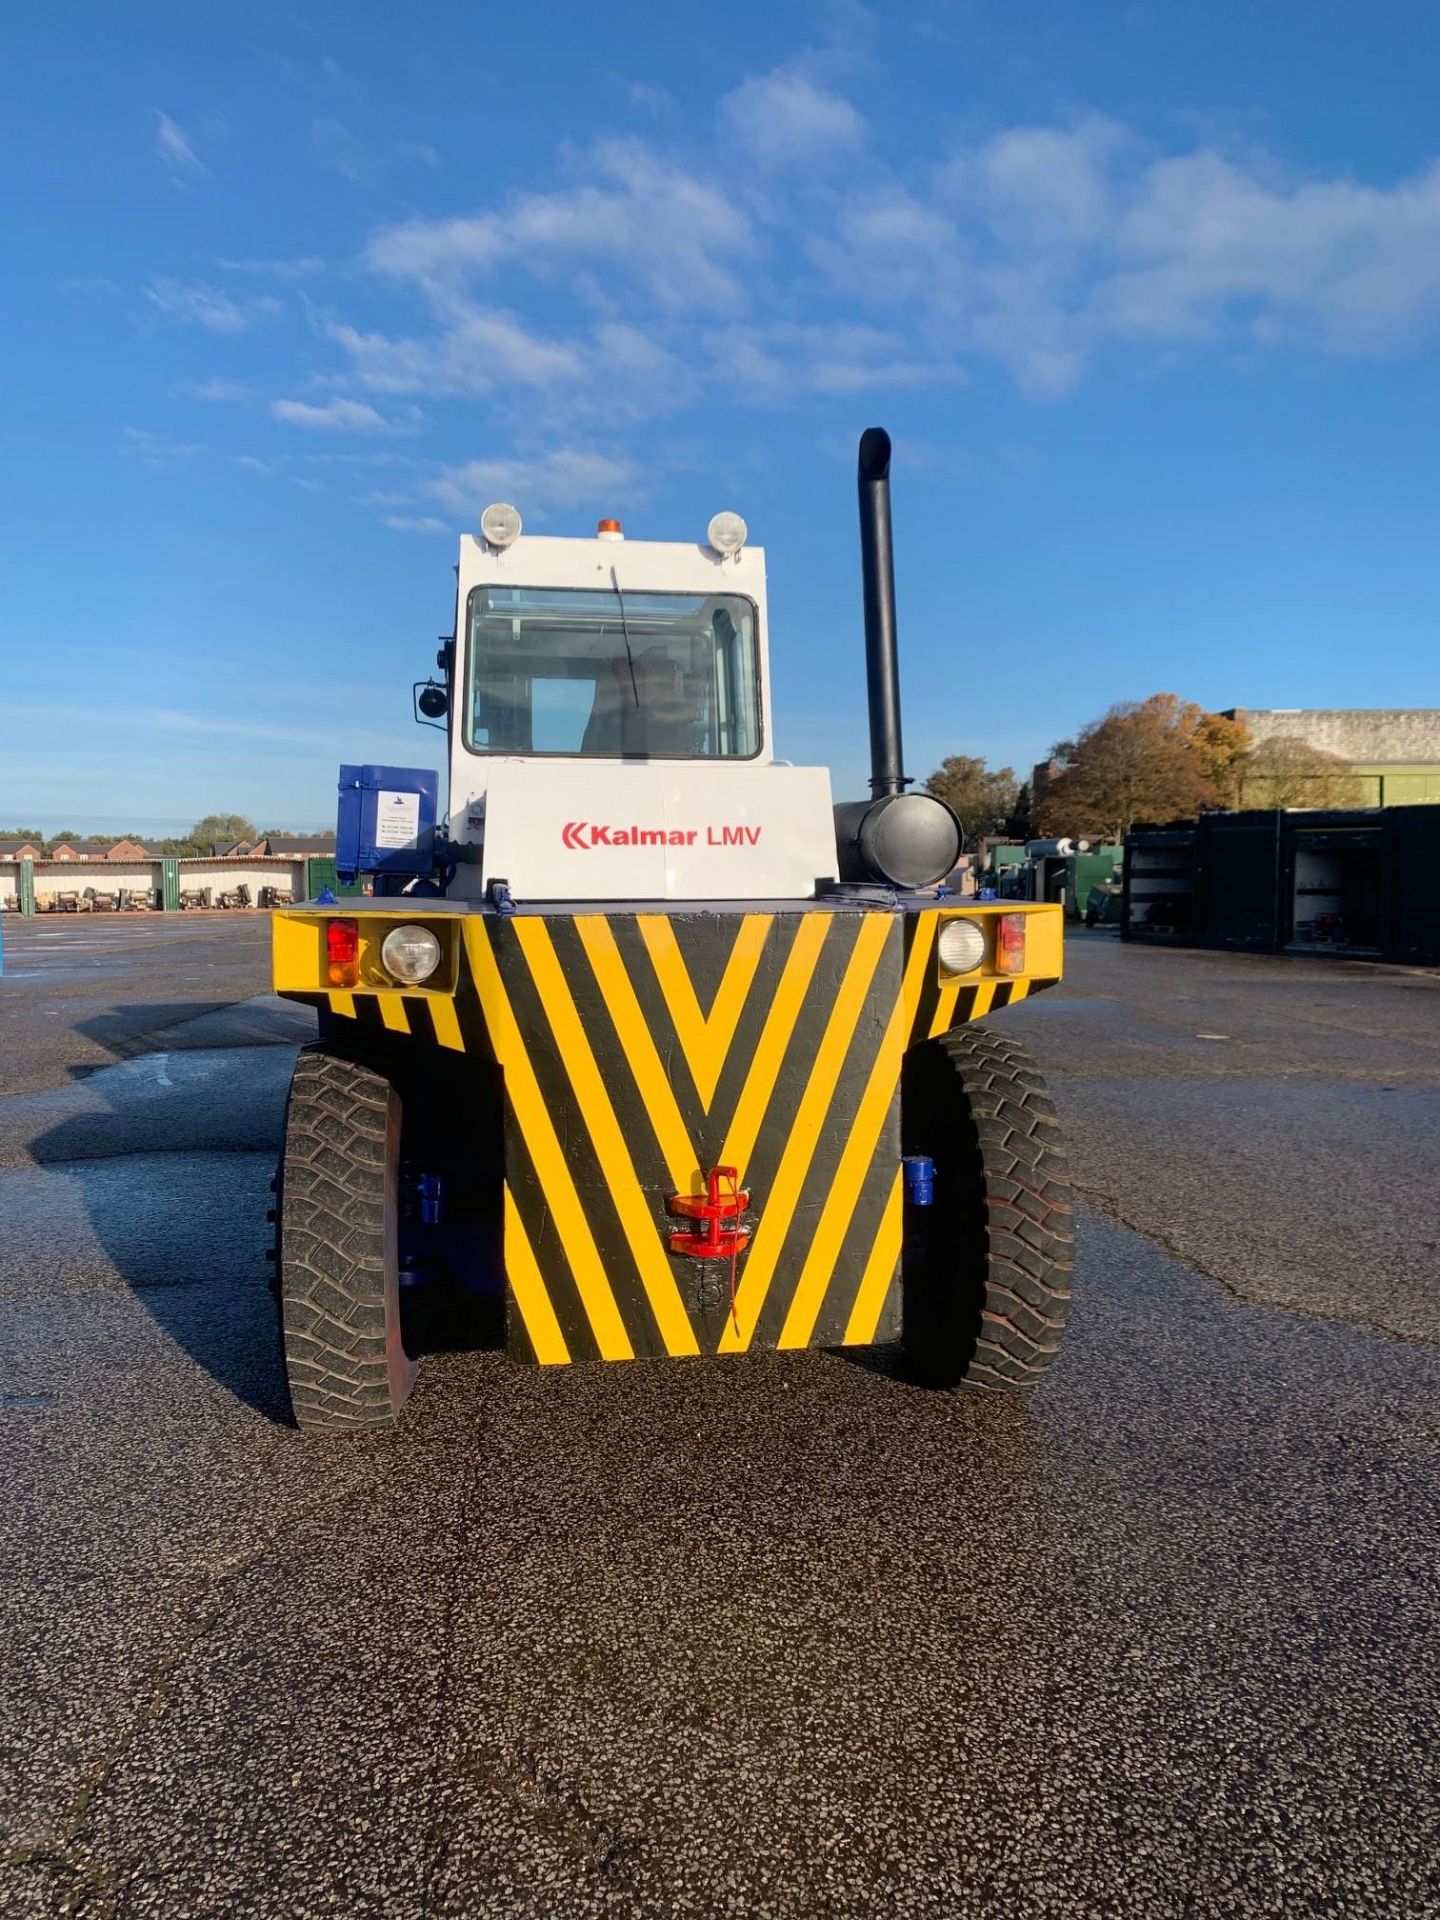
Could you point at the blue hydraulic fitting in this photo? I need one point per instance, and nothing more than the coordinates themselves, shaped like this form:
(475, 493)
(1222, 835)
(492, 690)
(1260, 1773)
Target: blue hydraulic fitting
(919, 1179)
(430, 1192)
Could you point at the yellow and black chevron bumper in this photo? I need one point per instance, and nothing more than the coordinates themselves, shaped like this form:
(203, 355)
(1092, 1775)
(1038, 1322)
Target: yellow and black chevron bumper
(641, 1050)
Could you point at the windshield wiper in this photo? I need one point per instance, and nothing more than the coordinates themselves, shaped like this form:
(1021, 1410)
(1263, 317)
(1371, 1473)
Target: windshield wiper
(625, 629)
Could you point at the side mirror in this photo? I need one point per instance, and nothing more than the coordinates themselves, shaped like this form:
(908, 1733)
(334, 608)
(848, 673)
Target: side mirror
(433, 702)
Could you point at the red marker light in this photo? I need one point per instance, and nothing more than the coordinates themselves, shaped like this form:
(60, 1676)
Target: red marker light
(1010, 943)
(342, 952)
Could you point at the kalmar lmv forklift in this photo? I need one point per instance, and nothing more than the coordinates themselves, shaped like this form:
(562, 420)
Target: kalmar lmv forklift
(643, 1041)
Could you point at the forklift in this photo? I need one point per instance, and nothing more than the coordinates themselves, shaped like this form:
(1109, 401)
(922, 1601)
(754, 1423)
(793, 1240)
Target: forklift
(644, 1048)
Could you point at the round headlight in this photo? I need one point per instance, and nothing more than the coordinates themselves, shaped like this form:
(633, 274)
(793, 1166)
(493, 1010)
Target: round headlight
(727, 533)
(500, 524)
(961, 946)
(410, 954)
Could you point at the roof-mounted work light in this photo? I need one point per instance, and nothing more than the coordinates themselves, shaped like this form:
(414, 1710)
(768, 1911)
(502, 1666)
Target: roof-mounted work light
(726, 533)
(500, 524)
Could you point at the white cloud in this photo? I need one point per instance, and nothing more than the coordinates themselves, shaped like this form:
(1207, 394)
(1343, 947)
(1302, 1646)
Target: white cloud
(564, 477)
(209, 307)
(655, 101)
(424, 523)
(891, 250)
(341, 150)
(617, 372)
(632, 374)
(476, 350)
(640, 239)
(858, 359)
(788, 360)
(647, 283)
(637, 217)
(1353, 268)
(303, 268)
(160, 454)
(361, 161)
(217, 389)
(747, 358)
(176, 149)
(1041, 246)
(781, 119)
(336, 416)
(358, 461)
(1050, 186)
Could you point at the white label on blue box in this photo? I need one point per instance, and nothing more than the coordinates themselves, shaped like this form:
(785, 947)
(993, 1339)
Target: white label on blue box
(397, 819)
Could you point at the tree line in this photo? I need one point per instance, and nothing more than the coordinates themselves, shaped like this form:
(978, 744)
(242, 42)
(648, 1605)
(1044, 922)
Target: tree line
(1143, 760)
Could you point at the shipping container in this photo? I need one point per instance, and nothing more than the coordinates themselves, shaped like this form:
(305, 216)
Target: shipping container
(1333, 883)
(1412, 867)
(1240, 882)
(1362, 882)
(1160, 885)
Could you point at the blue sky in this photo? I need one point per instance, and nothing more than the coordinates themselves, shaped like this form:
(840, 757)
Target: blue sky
(1148, 297)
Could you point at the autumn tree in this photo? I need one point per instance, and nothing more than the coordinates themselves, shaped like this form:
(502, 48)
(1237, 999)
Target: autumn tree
(983, 798)
(1223, 744)
(1154, 759)
(1291, 773)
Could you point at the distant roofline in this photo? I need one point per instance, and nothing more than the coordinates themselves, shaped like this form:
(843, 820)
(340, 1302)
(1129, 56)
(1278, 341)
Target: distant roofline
(1409, 713)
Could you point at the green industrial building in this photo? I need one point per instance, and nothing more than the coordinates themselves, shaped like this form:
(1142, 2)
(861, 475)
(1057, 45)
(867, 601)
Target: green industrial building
(1394, 752)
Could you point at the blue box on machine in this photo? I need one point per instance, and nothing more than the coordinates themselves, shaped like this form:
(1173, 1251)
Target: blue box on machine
(386, 821)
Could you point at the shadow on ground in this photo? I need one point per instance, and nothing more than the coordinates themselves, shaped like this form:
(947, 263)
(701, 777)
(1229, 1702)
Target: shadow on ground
(161, 1165)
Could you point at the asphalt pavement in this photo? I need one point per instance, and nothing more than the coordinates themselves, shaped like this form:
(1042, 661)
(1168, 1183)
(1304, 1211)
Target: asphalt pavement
(780, 1636)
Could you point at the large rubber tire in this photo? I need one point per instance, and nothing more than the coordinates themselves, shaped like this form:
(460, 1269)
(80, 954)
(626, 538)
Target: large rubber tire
(338, 1203)
(987, 1267)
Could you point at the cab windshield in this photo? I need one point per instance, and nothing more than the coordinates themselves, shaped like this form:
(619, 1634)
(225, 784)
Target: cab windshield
(607, 672)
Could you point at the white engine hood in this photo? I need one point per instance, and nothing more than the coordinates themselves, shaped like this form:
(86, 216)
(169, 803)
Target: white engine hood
(606, 830)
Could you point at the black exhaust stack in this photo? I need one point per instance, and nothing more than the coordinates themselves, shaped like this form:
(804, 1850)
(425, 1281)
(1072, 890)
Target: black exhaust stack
(877, 572)
(901, 839)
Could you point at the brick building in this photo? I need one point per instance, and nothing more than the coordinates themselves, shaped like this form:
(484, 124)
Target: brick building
(77, 850)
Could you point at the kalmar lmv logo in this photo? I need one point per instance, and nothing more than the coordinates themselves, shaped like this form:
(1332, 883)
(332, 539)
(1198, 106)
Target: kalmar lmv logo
(582, 835)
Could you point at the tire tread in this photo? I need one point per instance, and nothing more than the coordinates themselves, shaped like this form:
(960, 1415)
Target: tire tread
(332, 1281)
(993, 1113)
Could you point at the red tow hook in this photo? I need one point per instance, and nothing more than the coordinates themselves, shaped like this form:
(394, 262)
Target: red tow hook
(717, 1242)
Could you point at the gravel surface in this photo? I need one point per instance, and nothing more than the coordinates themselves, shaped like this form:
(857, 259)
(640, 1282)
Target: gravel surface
(1275, 1122)
(782, 1635)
